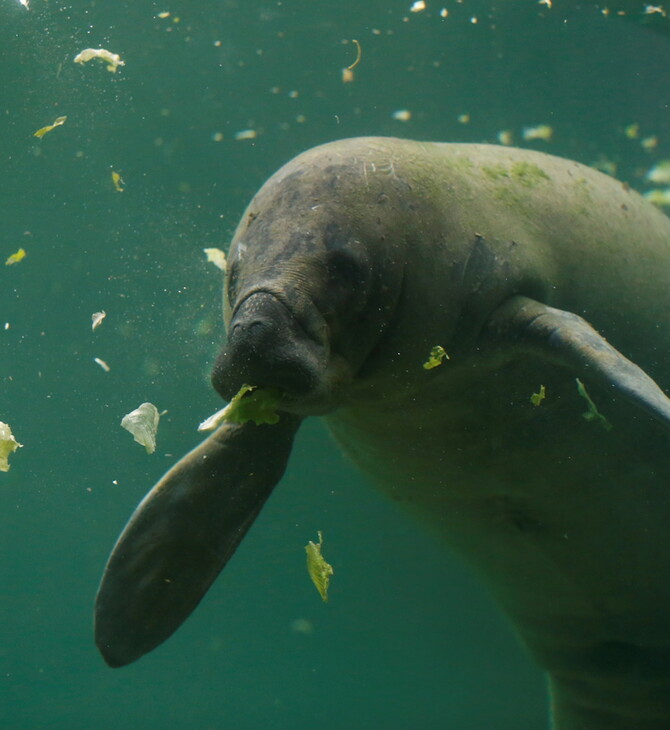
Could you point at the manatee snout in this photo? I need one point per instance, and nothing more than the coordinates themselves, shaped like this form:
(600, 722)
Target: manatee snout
(267, 347)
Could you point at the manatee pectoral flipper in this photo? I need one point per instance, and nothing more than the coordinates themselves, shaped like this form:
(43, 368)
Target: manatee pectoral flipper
(183, 533)
(568, 339)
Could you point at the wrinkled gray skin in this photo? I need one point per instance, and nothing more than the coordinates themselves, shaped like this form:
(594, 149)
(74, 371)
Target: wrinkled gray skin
(350, 263)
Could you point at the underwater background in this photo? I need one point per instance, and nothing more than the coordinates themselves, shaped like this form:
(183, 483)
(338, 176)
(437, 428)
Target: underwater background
(211, 99)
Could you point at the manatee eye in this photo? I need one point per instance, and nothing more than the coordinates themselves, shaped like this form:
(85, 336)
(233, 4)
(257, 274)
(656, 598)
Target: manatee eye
(348, 279)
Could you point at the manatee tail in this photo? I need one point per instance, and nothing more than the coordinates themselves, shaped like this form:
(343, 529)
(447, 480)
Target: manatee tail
(183, 533)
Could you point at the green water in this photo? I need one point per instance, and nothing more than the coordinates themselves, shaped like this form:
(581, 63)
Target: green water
(408, 639)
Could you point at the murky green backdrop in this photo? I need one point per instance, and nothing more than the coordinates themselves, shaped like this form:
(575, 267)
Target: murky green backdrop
(408, 639)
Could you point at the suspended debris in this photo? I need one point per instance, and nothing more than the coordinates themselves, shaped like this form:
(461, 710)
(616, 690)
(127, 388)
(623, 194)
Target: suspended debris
(57, 123)
(113, 60)
(143, 424)
(96, 319)
(319, 570)
(8, 444)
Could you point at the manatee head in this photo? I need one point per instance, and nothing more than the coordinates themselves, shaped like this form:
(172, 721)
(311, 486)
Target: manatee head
(310, 288)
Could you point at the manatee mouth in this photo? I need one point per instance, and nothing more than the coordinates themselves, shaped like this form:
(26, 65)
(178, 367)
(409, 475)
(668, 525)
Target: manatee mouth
(268, 347)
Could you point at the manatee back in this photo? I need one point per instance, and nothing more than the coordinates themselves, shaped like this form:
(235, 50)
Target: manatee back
(483, 222)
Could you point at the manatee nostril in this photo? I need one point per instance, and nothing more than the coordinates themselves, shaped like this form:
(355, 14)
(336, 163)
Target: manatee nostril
(249, 327)
(253, 333)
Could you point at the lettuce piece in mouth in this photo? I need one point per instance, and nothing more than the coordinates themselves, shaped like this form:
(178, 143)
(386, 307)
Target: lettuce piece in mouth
(249, 404)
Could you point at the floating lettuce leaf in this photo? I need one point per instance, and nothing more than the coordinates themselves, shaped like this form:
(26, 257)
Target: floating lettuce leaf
(216, 256)
(593, 414)
(319, 570)
(43, 130)
(15, 257)
(538, 397)
(143, 424)
(117, 181)
(96, 319)
(437, 357)
(8, 444)
(250, 404)
(113, 60)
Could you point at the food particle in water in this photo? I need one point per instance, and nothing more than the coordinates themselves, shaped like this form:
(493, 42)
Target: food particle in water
(402, 115)
(118, 182)
(302, 626)
(143, 425)
(538, 397)
(659, 173)
(102, 364)
(348, 72)
(541, 131)
(319, 570)
(43, 130)
(8, 444)
(658, 196)
(96, 319)
(593, 414)
(632, 131)
(505, 137)
(651, 9)
(437, 357)
(113, 60)
(246, 134)
(604, 164)
(216, 256)
(15, 257)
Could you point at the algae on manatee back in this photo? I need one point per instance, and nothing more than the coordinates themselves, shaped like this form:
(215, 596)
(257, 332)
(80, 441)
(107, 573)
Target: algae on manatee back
(526, 173)
(495, 172)
(510, 182)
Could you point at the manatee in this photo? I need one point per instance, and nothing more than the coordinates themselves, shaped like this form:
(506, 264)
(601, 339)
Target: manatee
(350, 264)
